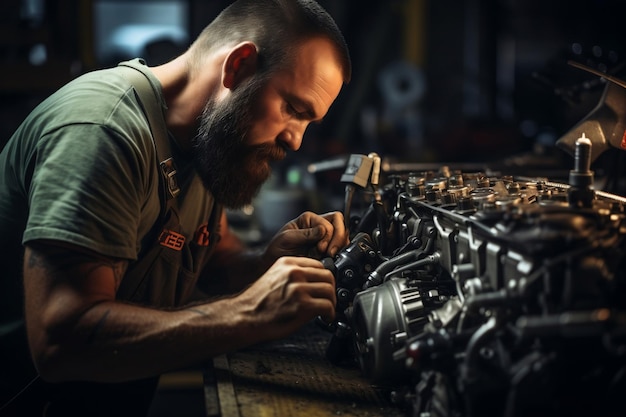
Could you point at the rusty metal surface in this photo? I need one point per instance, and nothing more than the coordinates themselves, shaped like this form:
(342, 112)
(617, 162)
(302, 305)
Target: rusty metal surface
(292, 377)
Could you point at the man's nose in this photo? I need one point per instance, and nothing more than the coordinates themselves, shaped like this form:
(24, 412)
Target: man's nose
(292, 135)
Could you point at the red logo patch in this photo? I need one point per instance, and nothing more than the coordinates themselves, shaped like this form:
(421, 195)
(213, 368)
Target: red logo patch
(171, 239)
(202, 235)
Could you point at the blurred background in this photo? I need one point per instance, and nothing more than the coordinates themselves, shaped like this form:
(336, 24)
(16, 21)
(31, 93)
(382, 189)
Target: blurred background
(435, 81)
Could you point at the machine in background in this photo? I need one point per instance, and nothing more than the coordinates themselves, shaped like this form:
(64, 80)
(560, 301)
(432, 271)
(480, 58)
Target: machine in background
(482, 294)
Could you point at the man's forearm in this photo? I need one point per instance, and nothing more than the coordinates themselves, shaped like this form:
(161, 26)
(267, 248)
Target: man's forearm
(114, 342)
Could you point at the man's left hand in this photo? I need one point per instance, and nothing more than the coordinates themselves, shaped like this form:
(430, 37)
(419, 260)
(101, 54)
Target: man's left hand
(311, 235)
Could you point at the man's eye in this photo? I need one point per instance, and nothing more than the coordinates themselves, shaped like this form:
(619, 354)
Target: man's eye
(292, 110)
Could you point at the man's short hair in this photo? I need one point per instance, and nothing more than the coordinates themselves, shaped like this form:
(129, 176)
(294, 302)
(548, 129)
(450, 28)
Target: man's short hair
(276, 27)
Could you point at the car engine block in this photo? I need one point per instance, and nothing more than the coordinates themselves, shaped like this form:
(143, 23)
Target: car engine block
(468, 294)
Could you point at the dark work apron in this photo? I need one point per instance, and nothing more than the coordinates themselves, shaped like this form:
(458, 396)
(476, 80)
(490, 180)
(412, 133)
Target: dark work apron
(166, 272)
(165, 275)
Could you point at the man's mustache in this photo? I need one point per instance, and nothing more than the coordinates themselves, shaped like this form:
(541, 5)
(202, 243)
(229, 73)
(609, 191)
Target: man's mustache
(269, 152)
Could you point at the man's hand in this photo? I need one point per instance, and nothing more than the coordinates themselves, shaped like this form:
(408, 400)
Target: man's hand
(292, 292)
(309, 235)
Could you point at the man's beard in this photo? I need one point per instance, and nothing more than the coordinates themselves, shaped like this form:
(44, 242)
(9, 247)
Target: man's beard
(229, 168)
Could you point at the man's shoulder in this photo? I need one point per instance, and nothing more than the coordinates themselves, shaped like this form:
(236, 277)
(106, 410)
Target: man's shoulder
(93, 98)
(101, 100)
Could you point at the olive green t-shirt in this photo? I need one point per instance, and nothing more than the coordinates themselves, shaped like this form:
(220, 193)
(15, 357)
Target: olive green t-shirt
(82, 169)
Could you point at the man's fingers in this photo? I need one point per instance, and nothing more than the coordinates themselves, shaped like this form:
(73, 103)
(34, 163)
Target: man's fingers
(317, 298)
(295, 290)
(324, 309)
(301, 262)
(310, 281)
(334, 235)
(320, 290)
(319, 275)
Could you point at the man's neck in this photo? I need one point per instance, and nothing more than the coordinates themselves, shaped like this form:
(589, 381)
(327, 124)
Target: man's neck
(186, 93)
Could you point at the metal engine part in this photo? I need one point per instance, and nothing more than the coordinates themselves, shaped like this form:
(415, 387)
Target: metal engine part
(489, 296)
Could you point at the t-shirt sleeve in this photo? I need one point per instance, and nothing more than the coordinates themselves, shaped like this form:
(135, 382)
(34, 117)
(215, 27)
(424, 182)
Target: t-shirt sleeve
(88, 188)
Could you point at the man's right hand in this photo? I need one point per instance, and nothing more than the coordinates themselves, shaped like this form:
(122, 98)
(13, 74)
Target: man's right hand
(293, 291)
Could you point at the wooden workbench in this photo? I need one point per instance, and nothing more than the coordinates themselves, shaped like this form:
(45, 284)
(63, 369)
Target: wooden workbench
(290, 378)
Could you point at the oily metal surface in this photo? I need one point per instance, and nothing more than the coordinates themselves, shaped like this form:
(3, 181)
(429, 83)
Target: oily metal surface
(292, 377)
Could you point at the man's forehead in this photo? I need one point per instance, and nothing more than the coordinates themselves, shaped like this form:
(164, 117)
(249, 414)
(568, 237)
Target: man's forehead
(315, 74)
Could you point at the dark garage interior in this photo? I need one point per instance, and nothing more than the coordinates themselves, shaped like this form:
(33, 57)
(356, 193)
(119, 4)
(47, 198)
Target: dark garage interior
(475, 78)
(434, 81)
(481, 84)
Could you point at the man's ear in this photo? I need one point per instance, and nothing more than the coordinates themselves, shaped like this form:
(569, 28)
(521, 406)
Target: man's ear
(240, 64)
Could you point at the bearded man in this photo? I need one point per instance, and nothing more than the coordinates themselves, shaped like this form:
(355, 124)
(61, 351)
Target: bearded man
(113, 237)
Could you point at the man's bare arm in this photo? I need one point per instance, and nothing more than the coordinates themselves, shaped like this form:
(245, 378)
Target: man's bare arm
(78, 331)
